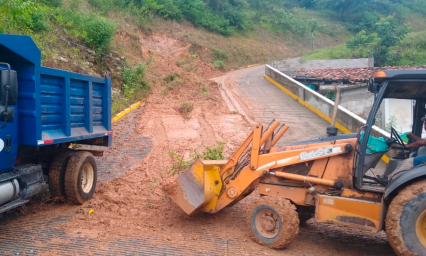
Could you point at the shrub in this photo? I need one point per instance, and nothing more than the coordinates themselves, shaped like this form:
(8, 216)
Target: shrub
(52, 3)
(102, 5)
(219, 64)
(214, 153)
(99, 32)
(219, 54)
(133, 77)
(185, 108)
(38, 22)
(172, 77)
(16, 12)
(96, 31)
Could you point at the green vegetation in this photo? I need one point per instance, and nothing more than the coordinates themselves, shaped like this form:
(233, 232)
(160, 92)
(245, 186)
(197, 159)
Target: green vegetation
(336, 52)
(214, 153)
(204, 89)
(208, 153)
(63, 29)
(185, 108)
(170, 82)
(96, 31)
(382, 31)
(393, 122)
(219, 64)
(135, 87)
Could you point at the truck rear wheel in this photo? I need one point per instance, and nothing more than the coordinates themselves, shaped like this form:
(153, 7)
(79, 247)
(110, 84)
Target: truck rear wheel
(406, 220)
(273, 222)
(80, 177)
(57, 173)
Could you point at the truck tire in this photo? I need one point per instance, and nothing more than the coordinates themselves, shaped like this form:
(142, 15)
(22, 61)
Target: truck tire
(406, 220)
(80, 177)
(273, 222)
(57, 174)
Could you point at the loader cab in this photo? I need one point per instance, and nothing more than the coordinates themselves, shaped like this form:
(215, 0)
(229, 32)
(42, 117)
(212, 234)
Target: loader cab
(390, 86)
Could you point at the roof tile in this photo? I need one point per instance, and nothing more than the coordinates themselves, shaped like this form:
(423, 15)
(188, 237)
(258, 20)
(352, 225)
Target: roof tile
(352, 75)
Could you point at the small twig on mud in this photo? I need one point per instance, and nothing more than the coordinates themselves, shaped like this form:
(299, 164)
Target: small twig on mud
(54, 200)
(23, 210)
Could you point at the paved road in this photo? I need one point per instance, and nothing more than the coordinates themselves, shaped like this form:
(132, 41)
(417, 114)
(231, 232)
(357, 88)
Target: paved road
(265, 102)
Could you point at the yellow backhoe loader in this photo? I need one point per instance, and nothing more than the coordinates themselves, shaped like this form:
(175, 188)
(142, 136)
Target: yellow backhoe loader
(333, 178)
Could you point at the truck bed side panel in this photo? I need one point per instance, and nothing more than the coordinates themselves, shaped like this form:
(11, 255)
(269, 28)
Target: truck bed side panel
(73, 106)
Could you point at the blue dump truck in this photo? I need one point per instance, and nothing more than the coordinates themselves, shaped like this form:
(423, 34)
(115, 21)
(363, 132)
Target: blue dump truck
(43, 112)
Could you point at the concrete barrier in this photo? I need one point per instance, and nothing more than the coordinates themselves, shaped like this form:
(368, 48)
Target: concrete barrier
(346, 121)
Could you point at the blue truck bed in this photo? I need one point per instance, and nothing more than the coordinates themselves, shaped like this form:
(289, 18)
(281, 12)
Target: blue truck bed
(43, 111)
(55, 106)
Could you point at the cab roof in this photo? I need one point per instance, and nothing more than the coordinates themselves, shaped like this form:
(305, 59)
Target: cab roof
(403, 83)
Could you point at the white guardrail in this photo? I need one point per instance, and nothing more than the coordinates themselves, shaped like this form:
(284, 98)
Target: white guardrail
(346, 121)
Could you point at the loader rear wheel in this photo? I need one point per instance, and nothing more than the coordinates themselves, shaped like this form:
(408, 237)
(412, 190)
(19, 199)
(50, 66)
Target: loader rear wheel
(273, 222)
(57, 174)
(406, 220)
(80, 177)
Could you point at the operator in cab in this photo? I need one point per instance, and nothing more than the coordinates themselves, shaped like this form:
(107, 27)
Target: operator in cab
(421, 153)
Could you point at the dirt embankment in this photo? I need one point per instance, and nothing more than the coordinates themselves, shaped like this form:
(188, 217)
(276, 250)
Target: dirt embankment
(135, 204)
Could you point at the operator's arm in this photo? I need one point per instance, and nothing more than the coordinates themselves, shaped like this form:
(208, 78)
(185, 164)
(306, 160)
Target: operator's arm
(414, 137)
(418, 143)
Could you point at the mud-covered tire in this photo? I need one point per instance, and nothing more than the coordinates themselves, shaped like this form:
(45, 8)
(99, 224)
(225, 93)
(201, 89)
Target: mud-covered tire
(280, 215)
(57, 173)
(80, 177)
(406, 212)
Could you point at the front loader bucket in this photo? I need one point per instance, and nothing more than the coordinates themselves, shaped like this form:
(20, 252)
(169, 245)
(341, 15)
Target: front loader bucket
(198, 188)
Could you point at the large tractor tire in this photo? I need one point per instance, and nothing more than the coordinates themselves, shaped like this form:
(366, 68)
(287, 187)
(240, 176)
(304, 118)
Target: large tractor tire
(57, 174)
(273, 222)
(406, 220)
(80, 177)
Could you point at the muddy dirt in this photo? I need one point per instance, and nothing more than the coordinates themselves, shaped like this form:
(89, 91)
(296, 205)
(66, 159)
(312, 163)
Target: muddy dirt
(135, 205)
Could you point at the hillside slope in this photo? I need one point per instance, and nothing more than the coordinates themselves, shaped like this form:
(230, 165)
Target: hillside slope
(76, 36)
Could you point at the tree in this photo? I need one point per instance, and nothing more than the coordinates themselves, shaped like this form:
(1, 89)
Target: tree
(384, 34)
(341, 6)
(390, 34)
(363, 44)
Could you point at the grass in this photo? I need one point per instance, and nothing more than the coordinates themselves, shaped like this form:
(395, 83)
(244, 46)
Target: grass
(119, 102)
(170, 82)
(204, 89)
(185, 108)
(336, 52)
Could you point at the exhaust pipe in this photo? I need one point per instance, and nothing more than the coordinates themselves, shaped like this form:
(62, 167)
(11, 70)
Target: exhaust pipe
(332, 130)
(9, 190)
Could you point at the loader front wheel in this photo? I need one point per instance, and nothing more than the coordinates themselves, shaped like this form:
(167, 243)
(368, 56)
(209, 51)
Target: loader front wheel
(80, 177)
(406, 220)
(273, 222)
